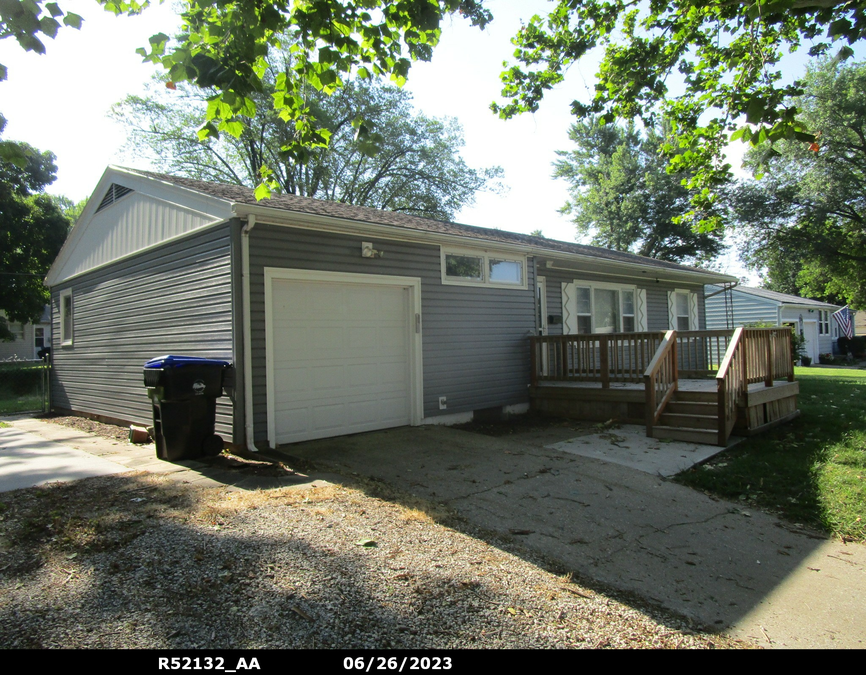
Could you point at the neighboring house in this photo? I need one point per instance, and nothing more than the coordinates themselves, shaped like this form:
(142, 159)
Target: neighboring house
(30, 338)
(811, 318)
(339, 319)
(860, 322)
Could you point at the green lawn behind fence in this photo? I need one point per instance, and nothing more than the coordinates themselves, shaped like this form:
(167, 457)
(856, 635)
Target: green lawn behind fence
(811, 471)
(20, 387)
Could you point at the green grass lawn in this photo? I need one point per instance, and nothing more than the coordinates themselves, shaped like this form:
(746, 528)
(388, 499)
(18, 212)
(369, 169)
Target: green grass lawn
(811, 471)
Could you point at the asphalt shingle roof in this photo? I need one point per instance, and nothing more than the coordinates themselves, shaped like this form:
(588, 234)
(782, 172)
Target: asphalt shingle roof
(243, 195)
(783, 298)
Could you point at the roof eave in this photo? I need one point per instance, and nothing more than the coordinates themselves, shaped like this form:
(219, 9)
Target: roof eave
(285, 217)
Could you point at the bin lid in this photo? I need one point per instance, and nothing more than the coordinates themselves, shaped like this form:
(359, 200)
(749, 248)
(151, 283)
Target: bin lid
(170, 361)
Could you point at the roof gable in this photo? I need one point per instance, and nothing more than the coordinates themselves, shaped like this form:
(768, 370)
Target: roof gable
(127, 214)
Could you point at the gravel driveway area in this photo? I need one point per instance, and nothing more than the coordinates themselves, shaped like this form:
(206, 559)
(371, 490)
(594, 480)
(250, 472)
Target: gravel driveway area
(140, 561)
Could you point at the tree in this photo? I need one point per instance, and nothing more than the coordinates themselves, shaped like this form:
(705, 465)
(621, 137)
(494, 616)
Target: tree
(622, 194)
(32, 230)
(804, 220)
(411, 165)
(727, 52)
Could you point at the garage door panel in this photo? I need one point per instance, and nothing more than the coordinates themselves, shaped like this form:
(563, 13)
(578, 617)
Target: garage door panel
(341, 358)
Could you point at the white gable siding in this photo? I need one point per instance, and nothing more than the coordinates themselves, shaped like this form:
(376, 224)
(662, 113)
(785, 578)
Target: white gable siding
(134, 223)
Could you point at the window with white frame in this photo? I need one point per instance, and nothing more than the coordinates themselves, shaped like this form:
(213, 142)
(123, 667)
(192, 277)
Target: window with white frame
(66, 318)
(483, 268)
(682, 311)
(823, 322)
(599, 308)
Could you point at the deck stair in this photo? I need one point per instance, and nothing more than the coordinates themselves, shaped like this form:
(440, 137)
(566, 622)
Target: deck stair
(690, 416)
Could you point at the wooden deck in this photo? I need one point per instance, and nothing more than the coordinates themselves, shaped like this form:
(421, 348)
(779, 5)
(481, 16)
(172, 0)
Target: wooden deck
(669, 382)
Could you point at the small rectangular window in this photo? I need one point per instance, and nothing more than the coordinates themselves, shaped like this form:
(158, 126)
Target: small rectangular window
(506, 271)
(683, 312)
(628, 311)
(66, 318)
(584, 309)
(464, 267)
(470, 268)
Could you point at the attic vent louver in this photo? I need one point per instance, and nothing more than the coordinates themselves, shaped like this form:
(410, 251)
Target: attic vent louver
(114, 193)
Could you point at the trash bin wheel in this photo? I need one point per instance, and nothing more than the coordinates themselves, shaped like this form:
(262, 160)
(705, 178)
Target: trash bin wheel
(212, 446)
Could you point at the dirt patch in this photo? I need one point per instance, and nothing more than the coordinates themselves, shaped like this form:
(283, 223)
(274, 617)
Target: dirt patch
(226, 460)
(109, 431)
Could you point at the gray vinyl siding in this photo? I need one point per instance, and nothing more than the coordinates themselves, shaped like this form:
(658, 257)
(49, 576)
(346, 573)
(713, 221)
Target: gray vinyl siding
(176, 299)
(474, 339)
(656, 296)
(748, 309)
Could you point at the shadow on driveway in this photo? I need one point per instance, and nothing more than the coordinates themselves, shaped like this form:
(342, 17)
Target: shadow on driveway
(727, 568)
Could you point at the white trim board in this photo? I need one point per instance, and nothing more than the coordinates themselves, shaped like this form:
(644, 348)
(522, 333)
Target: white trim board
(412, 284)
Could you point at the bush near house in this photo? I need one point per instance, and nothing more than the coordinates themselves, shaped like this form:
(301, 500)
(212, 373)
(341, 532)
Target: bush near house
(855, 346)
(811, 471)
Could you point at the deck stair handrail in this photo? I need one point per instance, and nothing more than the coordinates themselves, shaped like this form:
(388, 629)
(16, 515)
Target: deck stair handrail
(731, 384)
(660, 379)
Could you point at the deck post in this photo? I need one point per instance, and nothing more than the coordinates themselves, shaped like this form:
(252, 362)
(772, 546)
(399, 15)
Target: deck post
(771, 361)
(720, 411)
(533, 361)
(605, 362)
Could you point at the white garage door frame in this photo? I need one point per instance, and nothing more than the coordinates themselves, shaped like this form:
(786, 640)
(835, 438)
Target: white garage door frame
(412, 284)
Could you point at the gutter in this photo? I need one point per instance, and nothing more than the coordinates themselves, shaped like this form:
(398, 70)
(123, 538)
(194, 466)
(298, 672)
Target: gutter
(248, 352)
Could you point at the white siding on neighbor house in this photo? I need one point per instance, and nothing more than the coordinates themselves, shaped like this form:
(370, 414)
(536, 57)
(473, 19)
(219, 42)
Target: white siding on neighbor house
(23, 349)
(133, 223)
(748, 309)
(475, 346)
(176, 299)
(825, 342)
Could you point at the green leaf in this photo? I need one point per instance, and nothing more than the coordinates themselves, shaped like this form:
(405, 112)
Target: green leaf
(73, 20)
(367, 543)
(263, 191)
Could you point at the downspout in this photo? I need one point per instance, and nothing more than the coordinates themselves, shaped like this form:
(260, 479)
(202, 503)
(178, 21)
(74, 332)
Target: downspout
(248, 352)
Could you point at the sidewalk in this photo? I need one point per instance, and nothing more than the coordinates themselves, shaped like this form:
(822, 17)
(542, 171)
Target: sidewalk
(35, 452)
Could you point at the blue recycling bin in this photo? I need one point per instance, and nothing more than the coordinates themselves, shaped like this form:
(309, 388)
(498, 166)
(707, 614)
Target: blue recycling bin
(184, 390)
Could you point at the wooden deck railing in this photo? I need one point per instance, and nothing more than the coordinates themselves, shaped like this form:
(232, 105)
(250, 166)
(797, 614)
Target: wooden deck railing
(731, 384)
(768, 355)
(661, 379)
(735, 358)
(604, 358)
(699, 352)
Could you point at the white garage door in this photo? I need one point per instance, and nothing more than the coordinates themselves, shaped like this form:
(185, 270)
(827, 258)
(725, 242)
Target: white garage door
(341, 358)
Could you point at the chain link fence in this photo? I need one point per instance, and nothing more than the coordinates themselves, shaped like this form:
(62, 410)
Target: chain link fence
(24, 386)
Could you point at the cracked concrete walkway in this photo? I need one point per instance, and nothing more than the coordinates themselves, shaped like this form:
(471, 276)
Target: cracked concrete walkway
(733, 569)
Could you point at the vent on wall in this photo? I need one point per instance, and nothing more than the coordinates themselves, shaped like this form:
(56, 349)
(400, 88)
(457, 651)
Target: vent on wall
(114, 193)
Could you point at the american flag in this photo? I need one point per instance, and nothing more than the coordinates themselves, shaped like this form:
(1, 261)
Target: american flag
(845, 320)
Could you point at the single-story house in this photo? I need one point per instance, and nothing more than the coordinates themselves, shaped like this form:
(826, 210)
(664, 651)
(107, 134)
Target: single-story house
(744, 306)
(338, 319)
(30, 338)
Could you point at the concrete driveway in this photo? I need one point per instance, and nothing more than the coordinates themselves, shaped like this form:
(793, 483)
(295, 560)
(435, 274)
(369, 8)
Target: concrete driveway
(724, 566)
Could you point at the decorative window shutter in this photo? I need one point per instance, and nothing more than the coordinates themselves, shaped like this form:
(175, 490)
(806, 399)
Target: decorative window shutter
(672, 310)
(569, 309)
(693, 311)
(640, 320)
